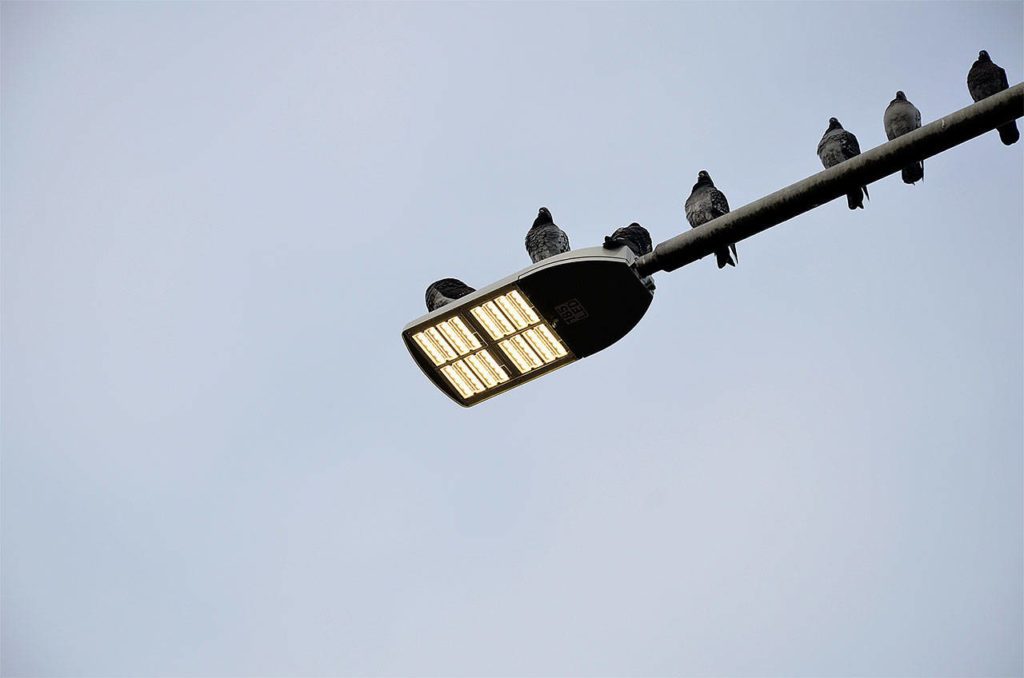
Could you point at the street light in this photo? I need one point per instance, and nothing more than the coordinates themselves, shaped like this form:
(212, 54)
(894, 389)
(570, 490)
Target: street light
(532, 322)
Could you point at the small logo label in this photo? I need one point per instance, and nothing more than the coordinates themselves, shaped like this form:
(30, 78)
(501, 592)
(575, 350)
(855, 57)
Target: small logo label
(571, 311)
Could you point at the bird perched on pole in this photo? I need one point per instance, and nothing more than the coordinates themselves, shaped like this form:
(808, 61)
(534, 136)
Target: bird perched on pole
(985, 79)
(704, 204)
(901, 117)
(837, 145)
(545, 239)
(637, 239)
(445, 291)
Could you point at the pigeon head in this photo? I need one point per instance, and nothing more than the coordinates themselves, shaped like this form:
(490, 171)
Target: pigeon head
(983, 56)
(901, 96)
(833, 123)
(543, 217)
(704, 178)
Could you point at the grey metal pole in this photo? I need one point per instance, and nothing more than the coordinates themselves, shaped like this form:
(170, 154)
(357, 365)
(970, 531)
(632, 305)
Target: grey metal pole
(805, 195)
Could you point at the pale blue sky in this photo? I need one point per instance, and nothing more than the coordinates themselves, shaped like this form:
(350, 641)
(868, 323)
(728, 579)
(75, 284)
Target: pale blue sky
(218, 459)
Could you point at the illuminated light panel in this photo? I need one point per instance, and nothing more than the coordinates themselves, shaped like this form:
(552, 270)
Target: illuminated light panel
(520, 361)
(468, 375)
(552, 340)
(465, 352)
(485, 319)
(442, 345)
(454, 337)
(429, 348)
(482, 370)
(499, 318)
(538, 344)
(456, 380)
(528, 352)
(464, 332)
(498, 370)
(523, 306)
(512, 312)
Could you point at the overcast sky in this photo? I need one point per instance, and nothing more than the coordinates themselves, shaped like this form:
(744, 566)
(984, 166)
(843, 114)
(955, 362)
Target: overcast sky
(219, 459)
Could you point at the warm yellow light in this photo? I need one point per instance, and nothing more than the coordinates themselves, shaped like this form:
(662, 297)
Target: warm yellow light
(539, 345)
(516, 356)
(485, 319)
(456, 380)
(523, 306)
(481, 370)
(527, 352)
(453, 336)
(512, 312)
(552, 340)
(468, 375)
(498, 370)
(464, 331)
(499, 317)
(442, 345)
(428, 347)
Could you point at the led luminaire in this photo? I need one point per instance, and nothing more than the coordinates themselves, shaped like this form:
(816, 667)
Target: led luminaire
(441, 344)
(464, 331)
(523, 307)
(456, 380)
(552, 340)
(481, 370)
(485, 319)
(527, 352)
(499, 371)
(512, 312)
(516, 356)
(468, 375)
(453, 337)
(499, 318)
(429, 348)
(538, 344)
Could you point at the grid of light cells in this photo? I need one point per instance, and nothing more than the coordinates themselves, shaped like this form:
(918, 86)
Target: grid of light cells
(530, 343)
(453, 347)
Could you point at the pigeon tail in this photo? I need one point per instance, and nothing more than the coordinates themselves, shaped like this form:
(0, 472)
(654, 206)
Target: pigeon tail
(724, 258)
(1008, 133)
(913, 173)
(854, 198)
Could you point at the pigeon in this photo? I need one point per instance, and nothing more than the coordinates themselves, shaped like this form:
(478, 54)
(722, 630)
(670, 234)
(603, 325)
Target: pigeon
(704, 204)
(901, 117)
(544, 239)
(445, 291)
(637, 239)
(985, 79)
(837, 145)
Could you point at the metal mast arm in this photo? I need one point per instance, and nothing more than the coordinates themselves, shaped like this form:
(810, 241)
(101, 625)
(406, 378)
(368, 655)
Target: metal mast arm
(805, 195)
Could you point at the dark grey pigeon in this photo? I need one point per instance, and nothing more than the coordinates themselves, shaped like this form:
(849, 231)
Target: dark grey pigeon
(901, 117)
(544, 239)
(985, 79)
(637, 239)
(837, 145)
(704, 204)
(445, 291)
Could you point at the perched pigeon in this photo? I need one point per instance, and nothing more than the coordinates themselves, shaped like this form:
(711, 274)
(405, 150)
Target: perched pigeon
(637, 239)
(901, 117)
(704, 204)
(985, 79)
(544, 239)
(837, 145)
(445, 291)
